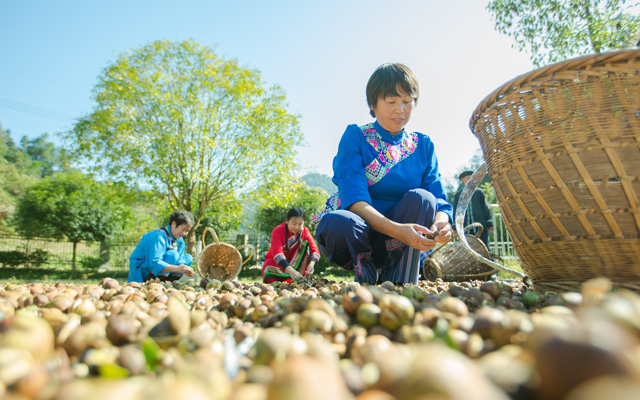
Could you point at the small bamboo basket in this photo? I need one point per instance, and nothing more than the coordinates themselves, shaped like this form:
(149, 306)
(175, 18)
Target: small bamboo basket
(562, 146)
(453, 263)
(220, 261)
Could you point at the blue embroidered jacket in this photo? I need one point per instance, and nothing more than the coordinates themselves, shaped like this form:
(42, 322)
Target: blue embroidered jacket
(419, 169)
(152, 253)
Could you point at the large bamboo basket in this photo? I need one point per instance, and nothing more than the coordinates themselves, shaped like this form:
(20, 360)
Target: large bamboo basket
(220, 261)
(562, 146)
(453, 262)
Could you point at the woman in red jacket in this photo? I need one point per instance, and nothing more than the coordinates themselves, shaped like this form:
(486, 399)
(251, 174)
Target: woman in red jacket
(292, 253)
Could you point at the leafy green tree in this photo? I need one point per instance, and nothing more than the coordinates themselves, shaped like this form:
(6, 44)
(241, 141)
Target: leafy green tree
(10, 152)
(554, 30)
(272, 214)
(45, 156)
(314, 179)
(15, 177)
(190, 125)
(68, 206)
(223, 216)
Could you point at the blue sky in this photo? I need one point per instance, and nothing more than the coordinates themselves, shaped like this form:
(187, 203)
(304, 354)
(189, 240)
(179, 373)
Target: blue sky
(320, 52)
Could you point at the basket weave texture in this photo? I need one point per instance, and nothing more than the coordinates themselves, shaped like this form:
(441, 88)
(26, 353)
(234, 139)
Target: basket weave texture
(453, 263)
(220, 261)
(562, 146)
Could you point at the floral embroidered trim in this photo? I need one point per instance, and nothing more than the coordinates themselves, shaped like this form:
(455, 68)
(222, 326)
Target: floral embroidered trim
(388, 156)
(393, 244)
(357, 267)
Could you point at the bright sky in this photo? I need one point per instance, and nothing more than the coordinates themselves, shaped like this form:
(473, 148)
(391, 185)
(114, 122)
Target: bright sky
(320, 52)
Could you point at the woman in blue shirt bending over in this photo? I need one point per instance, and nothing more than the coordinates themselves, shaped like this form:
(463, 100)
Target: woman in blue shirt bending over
(390, 204)
(161, 253)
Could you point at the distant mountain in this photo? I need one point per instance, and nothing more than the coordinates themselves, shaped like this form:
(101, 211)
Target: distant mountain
(314, 179)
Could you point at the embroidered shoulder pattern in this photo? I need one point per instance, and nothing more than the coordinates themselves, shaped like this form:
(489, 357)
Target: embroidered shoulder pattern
(388, 155)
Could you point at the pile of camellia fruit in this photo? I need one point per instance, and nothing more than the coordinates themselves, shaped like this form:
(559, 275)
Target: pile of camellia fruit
(317, 339)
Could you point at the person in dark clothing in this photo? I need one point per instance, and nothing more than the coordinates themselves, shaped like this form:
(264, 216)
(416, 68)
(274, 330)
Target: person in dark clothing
(477, 211)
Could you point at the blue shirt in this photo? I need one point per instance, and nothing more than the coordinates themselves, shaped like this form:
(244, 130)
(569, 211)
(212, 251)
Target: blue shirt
(418, 170)
(155, 251)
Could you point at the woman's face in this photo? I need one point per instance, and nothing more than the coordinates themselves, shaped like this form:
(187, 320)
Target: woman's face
(295, 224)
(394, 112)
(178, 231)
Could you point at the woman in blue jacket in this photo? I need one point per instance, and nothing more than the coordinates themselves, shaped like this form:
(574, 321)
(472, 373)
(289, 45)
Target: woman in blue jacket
(390, 204)
(161, 253)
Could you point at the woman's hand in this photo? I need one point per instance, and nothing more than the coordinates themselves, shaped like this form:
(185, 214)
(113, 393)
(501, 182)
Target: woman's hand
(440, 232)
(444, 230)
(180, 269)
(310, 268)
(416, 236)
(413, 235)
(188, 271)
(292, 272)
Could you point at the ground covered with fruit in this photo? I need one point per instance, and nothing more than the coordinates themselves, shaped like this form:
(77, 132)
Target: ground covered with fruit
(317, 339)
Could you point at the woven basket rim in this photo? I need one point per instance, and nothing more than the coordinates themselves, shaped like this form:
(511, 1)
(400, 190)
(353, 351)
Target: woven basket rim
(434, 262)
(583, 62)
(214, 247)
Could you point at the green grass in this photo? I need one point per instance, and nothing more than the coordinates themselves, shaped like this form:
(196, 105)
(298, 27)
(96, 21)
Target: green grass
(511, 263)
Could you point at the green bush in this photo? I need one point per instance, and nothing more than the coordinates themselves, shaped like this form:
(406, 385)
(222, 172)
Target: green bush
(14, 258)
(38, 257)
(91, 262)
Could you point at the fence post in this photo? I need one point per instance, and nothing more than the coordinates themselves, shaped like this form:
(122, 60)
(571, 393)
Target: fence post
(501, 244)
(242, 239)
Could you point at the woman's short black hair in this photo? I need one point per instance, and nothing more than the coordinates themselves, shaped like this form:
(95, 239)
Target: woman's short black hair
(295, 212)
(386, 79)
(181, 217)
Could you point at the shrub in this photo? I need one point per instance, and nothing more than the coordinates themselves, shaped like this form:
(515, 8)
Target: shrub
(38, 257)
(91, 262)
(14, 258)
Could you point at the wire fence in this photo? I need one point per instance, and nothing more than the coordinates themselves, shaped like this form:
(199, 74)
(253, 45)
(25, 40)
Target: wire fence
(500, 242)
(114, 255)
(106, 256)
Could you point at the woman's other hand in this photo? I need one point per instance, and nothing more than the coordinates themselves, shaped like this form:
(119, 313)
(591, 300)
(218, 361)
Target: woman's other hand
(416, 236)
(444, 231)
(423, 239)
(188, 271)
(292, 272)
(310, 268)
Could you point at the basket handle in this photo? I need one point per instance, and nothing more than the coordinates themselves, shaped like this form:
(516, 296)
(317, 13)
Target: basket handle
(244, 246)
(463, 203)
(475, 225)
(213, 233)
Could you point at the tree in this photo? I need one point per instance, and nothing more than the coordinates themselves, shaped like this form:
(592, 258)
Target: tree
(222, 216)
(190, 125)
(16, 175)
(68, 205)
(45, 156)
(554, 30)
(311, 200)
(314, 179)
